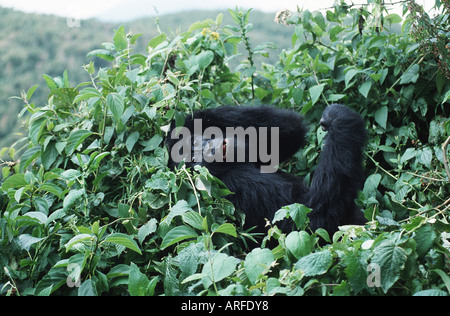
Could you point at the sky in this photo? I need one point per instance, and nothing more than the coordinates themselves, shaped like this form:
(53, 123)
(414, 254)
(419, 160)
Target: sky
(115, 10)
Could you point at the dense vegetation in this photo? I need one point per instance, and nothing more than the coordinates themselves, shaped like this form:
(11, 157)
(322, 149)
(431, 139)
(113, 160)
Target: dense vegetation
(91, 207)
(32, 45)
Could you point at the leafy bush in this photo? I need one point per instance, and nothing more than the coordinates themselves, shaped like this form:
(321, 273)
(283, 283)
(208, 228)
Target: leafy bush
(91, 207)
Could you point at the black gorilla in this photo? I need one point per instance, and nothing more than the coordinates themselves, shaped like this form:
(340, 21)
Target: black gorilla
(259, 192)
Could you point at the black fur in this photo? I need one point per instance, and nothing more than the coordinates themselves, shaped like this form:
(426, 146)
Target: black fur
(336, 180)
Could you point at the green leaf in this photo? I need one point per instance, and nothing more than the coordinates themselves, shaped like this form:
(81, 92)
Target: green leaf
(155, 41)
(96, 160)
(297, 94)
(178, 209)
(356, 271)
(31, 91)
(120, 270)
(71, 174)
(29, 156)
(424, 237)
(5, 172)
(193, 219)
(131, 141)
(391, 259)
(26, 241)
(190, 257)
(139, 284)
(222, 266)
(75, 140)
(204, 59)
(316, 263)
(203, 185)
(424, 156)
(381, 116)
(194, 277)
(300, 243)
(335, 31)
(41, 206)
(38, 217)
(77, 239)
(147, 229)
(201, 25)
(14, 182)
(65, 83)
(445, 277)
(306, 107)
(432, 292)
(407, 155)
(411, 75)
(60, 146)
(335, 97)
(133, 74)
(55, 278)
(101, 53)
(316, 91)
(123, 240)
(87, 288)
(320, 20)
(49, 155)
(37, 129)
(446, 97)
(226, 228)
(298, 213)
(393, 18)
(234, 15)
(46, 292)
(351, 73)
(50, 82)
(116, 105)
(64, 96)
(72, 198)
(86, 94)
(257, 263)
(176, 235)
(371, 185)
(420, 106)
(219, 19)
(120, 39)
(364, 89)
(153, 143)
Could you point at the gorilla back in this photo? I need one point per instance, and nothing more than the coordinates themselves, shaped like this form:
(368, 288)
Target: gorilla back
(233, 143)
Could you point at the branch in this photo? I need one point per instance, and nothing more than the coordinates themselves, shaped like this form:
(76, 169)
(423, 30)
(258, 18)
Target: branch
(349, 6)
(193, 187)
(377, 164)
(425, 177)
(444, 153)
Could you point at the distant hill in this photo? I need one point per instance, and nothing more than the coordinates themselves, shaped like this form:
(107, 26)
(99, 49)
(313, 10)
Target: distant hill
(32, 45)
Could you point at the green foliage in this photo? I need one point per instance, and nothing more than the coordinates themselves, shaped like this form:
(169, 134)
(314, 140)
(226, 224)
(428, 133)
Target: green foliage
(92, 208)
(50, 45)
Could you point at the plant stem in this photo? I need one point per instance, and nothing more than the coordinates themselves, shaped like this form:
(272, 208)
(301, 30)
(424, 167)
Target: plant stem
(444, 154)
(193, 187)
(249, 50)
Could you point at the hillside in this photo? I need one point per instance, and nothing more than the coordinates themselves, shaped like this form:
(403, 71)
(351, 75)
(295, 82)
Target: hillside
(32, 45)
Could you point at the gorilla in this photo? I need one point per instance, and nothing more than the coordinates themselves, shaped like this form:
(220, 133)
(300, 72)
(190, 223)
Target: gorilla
(243, 145)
